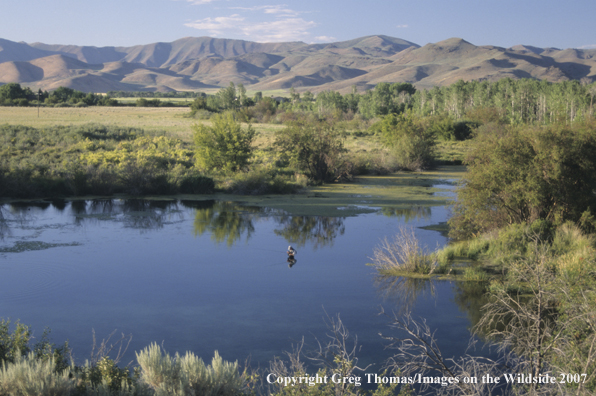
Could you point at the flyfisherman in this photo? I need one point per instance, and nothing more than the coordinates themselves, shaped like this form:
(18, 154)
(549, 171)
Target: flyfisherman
(291, 251)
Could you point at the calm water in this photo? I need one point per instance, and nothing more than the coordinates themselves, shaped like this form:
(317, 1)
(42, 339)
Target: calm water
(206, 275)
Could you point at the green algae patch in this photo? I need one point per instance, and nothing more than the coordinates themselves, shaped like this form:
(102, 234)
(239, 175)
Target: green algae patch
(365, 194)
(27, 246)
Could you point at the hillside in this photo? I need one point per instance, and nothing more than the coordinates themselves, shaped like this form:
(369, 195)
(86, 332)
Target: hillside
(195, 63)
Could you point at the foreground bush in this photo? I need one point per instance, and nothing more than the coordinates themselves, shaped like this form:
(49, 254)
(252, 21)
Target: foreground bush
(30, 376)
(188, 374)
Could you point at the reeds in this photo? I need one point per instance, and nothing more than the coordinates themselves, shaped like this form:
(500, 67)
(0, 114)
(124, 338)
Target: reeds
(403, 254)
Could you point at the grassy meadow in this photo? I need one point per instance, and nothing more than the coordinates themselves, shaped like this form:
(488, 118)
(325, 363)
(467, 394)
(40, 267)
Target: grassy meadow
(172, 120)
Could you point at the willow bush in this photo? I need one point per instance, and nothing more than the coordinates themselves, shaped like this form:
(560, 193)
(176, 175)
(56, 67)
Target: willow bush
(520, 175)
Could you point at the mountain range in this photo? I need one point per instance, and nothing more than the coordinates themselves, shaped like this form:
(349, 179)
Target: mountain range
(198, 63)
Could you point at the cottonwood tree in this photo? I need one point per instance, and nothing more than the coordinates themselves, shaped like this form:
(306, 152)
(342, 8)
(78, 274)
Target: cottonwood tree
(224, 145)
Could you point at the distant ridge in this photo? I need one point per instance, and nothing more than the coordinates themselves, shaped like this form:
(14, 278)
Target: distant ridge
(195, 63)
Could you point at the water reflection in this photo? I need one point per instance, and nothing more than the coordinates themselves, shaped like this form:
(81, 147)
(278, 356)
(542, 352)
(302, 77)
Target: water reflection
(230, 222)
(291, 261)
(140, 214)
(59, 204)
(319, 230)
(402, 292)
(4, 229)
(413, 213)
(470, 297)
(226, 221)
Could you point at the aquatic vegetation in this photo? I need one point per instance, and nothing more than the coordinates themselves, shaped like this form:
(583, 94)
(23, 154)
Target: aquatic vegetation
(403, 254)
(27, 246)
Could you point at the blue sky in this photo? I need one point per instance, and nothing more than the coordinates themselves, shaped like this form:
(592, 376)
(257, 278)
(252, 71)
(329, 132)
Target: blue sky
(544, 23)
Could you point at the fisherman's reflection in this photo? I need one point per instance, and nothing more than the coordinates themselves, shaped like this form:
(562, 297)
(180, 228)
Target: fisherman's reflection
(291, 256)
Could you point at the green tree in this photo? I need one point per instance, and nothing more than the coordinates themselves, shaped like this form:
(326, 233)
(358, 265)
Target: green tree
(411, 143)
(224, 145)
(316, 148)
(227, 97)
(13, 91)
(242, 98)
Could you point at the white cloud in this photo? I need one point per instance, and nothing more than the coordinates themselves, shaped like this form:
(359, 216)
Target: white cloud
(217, 26)
(287, 29)
(198, 2)
(285, 26)
(280, 9)
(590, 46)
(402, 26)
(325, 39)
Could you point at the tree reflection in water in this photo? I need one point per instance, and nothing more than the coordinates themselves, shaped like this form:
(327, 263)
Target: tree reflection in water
(470, 297)
(149, 214)
(414, 212)
(226, 221)
(17, 213)
(230, 222)
(140, 214)
(319, 230)
(402, 292)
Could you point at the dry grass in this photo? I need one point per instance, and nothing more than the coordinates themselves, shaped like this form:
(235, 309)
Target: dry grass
(403, 254)
(166, 119)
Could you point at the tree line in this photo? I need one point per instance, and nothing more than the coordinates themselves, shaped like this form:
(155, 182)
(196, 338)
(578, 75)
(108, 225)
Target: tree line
(523, 101)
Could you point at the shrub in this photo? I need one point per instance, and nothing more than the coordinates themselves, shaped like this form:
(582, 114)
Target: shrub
(316, 148)
(519, 176)
(13, 344)
(104, 378)
(29, 376)
(411, 143)
(259, 182)
(188, 374)
(195, 183)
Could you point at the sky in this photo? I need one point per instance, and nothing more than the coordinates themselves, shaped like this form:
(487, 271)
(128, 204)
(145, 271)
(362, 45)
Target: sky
(504, 23)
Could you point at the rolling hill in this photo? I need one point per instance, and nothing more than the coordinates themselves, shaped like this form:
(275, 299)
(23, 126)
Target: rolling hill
(195, 63)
